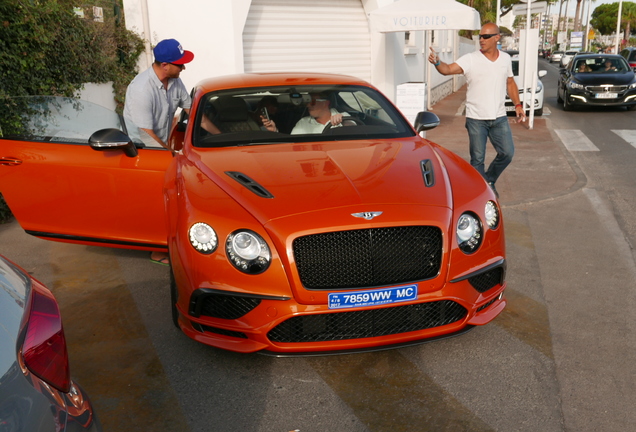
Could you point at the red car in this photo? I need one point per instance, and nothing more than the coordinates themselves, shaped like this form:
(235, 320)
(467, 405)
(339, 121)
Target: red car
(286, 240)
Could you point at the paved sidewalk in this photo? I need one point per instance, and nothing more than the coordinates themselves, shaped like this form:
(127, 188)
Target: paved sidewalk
(541, 169)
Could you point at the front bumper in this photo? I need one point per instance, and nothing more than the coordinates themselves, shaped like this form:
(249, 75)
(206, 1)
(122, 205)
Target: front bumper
(591, 98)
(284, 327)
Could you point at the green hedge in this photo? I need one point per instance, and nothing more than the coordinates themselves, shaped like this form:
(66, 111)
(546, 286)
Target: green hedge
(47, 49)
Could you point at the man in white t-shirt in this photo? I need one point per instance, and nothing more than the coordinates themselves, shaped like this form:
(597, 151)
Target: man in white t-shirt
(489, 76)
(320, 113)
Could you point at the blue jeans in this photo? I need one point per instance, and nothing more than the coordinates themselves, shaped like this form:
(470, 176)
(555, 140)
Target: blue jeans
(500, 135)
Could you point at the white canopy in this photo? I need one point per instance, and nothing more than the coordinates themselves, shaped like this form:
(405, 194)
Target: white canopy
(411, 15)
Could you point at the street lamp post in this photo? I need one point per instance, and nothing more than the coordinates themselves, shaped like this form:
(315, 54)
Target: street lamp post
(618, 25)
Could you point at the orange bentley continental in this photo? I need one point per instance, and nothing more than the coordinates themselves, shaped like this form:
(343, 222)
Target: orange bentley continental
(287, 235)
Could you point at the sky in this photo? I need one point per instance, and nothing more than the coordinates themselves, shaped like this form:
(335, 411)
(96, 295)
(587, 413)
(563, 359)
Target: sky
(572, 6)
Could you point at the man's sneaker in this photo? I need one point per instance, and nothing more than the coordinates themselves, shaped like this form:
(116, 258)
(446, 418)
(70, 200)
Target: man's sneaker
(492, 186)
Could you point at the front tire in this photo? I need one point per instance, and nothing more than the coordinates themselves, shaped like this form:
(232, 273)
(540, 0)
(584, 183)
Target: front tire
(538, 112)
(567, 106)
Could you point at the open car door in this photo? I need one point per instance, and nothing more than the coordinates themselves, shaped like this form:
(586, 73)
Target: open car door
(61, 187)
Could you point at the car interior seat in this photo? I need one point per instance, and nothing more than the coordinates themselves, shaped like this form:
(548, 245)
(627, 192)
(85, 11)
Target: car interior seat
(231, 114)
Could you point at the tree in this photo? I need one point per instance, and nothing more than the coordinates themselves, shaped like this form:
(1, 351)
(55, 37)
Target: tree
(46, 49)
(604, 18)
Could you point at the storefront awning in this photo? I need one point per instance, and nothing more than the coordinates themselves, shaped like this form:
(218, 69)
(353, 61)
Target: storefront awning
(412, 15)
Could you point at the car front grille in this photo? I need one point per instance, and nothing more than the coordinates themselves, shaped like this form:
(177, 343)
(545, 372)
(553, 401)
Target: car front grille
(607, 88)
(369, 257)
(367, 323)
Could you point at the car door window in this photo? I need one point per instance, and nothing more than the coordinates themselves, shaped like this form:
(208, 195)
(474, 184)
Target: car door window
(65, 120)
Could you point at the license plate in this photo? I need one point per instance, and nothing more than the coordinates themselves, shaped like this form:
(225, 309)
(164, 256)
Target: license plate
(606, 95)
(355, 299)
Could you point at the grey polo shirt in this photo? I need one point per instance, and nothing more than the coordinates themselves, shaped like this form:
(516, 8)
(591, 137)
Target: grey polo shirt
(150, 106)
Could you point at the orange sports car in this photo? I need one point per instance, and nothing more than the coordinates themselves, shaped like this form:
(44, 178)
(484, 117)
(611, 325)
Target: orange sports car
(287, 234)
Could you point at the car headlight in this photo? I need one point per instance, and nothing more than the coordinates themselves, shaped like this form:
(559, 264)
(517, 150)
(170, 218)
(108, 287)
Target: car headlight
(632, 86)
(491, 214)
(203, 238)
(574, 85)
(468, 232)
(248, 252)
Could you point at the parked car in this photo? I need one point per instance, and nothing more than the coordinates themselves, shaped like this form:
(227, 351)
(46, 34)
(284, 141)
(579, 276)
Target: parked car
(566, 57)
(630, 55)
(36, 389)
(597, 80)
(556, 56)
(360, 237)
(538, 92)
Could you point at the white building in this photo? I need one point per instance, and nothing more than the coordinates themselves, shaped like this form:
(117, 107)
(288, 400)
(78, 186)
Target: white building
(236, 36)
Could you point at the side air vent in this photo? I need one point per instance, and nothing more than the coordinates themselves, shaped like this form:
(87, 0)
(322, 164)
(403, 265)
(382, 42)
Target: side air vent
(427, 172)
(250, 184)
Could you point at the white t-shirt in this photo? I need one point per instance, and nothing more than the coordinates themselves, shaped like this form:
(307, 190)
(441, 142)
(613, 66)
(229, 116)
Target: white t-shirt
(487, 84)
(309, 125)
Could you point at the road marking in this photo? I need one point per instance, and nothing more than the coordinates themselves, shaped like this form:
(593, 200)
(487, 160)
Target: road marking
(627, 135)
(575, 140)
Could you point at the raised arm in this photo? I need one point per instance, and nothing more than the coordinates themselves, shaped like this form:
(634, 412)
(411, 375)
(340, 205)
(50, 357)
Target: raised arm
(444, 68)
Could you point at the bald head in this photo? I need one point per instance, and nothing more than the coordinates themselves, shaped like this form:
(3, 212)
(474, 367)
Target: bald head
(490, 28)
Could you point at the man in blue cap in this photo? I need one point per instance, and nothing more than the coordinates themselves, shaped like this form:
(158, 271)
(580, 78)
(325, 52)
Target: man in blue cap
(153, 96)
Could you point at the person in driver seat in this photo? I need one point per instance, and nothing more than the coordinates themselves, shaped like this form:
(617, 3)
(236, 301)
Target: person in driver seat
(320, 114)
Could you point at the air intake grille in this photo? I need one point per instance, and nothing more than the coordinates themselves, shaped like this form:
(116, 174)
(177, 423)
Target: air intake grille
(225, 306)
(369, 257)
(367, 323)
(487, 280)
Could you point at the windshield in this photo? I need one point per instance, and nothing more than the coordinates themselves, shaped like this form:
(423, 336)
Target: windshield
(601, 65)
(239, 117)
(66, 120)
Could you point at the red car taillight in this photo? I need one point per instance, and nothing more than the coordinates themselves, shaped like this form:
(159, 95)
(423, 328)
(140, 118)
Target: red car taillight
(44, 349)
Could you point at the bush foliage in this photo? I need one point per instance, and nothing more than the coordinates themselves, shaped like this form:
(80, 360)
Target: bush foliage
(47, 49)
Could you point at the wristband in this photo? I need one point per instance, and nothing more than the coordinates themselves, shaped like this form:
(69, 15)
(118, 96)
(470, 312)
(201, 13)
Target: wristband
(519, 105)
(438, 63)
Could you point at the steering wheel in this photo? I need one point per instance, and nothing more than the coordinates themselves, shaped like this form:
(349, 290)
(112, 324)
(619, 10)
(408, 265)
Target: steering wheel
(346, 121)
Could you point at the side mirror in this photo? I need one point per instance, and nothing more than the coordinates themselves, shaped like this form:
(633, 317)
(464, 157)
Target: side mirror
(426, 120)
(112, 139)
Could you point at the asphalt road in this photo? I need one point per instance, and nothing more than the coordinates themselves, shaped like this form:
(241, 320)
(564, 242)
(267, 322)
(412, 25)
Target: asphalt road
(559, 358)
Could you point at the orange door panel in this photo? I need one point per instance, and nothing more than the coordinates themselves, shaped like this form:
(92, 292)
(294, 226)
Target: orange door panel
(71, 192)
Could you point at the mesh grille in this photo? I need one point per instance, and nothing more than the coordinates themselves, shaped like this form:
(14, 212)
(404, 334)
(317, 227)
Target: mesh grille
(481, 308)
(225, 306)
(367, 323)
(485, 281)
(369, 257)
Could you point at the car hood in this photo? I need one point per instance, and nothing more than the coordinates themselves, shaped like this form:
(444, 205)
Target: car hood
(622, 78)
(280, 180)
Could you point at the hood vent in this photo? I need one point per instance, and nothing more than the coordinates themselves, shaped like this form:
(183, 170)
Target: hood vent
(427, 172)
(250, 184)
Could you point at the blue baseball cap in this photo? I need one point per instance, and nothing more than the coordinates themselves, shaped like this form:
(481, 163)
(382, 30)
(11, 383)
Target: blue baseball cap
(171, 51)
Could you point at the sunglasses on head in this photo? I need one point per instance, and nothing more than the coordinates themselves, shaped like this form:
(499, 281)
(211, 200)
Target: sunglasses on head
(487, 36)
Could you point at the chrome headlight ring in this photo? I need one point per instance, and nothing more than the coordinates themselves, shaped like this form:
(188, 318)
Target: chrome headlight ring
(469, 232)
(203, 238)
(491, 215)
(248, 251)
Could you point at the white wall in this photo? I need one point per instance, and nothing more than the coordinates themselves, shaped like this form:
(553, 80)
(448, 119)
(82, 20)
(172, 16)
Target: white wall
(211, 29)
